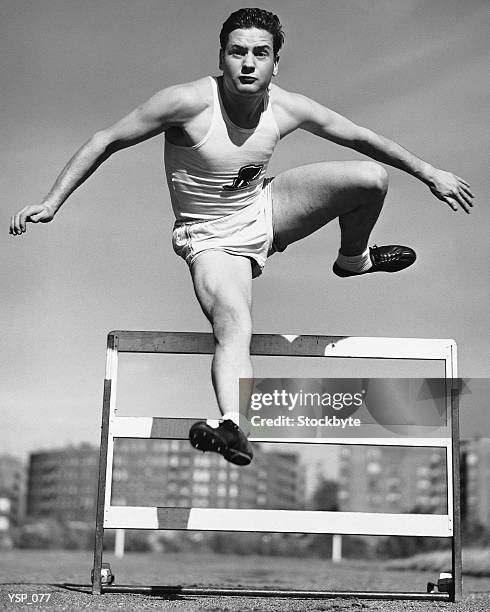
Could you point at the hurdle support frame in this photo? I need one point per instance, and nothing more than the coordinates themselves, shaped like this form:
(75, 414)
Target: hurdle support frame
(282, 521)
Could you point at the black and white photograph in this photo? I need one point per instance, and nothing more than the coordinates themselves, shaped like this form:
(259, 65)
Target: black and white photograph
(246, 305)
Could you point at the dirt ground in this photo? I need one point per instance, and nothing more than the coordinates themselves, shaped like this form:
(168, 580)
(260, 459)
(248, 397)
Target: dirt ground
(39, 579)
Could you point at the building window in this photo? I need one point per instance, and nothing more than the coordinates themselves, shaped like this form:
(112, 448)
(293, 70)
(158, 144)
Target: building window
(373, 468)
(120, 474)
(201, 476)
(202, 461)
(201, 490)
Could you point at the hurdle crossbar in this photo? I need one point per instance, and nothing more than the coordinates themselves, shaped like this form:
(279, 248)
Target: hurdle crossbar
(282, 521)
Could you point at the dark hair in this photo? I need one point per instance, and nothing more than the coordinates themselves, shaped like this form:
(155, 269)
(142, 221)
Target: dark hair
(253, 18)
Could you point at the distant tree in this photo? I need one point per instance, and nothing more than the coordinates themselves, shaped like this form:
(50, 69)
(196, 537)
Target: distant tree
(325, 495)
(475, 534)
(45, 533)
(398, 547)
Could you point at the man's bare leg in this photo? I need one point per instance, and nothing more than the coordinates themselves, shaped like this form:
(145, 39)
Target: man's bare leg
(307, 198)
(223, 286)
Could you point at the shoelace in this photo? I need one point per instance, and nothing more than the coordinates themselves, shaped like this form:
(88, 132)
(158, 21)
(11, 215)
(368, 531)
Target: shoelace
(378, 255)
(232, 427)
(231, 424)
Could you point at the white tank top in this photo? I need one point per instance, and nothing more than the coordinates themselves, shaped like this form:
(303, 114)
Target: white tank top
(225, 170)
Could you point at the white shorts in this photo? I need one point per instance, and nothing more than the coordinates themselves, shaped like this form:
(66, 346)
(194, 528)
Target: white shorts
(247, 232)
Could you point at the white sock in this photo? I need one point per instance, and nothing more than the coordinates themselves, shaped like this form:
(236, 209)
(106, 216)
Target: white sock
(355, 263)
(214, 423)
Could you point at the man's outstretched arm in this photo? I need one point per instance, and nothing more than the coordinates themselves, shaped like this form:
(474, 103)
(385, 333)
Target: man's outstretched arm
(170, 107)
(323, 122)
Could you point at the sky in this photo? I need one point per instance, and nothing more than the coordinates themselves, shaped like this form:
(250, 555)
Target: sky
(415, 71)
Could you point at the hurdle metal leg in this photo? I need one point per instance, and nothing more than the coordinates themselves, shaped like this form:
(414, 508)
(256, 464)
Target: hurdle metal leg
(102, 500)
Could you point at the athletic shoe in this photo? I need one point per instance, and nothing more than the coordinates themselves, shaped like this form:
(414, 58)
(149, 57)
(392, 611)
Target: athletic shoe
(227, 439)
(391, 258)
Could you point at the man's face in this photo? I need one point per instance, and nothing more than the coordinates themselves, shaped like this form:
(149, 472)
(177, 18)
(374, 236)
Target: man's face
(248, 62)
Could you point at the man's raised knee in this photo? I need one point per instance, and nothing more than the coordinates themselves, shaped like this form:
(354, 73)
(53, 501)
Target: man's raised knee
(374, 177)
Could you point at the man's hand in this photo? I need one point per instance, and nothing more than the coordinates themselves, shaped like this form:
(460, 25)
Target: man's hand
(38, 213)
(451, 189)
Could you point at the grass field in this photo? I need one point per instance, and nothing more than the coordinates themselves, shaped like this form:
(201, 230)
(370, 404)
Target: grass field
(28, 574)
(476, 562)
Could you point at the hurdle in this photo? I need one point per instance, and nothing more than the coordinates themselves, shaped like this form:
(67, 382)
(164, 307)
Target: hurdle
(265, 520)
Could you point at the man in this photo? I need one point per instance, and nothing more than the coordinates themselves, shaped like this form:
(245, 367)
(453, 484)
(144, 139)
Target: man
(219, 136)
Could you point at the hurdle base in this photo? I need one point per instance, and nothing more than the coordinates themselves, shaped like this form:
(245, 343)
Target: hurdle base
(297, 594)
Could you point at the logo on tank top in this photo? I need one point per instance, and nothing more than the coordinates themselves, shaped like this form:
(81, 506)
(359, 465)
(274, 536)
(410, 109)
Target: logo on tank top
(245, 176)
